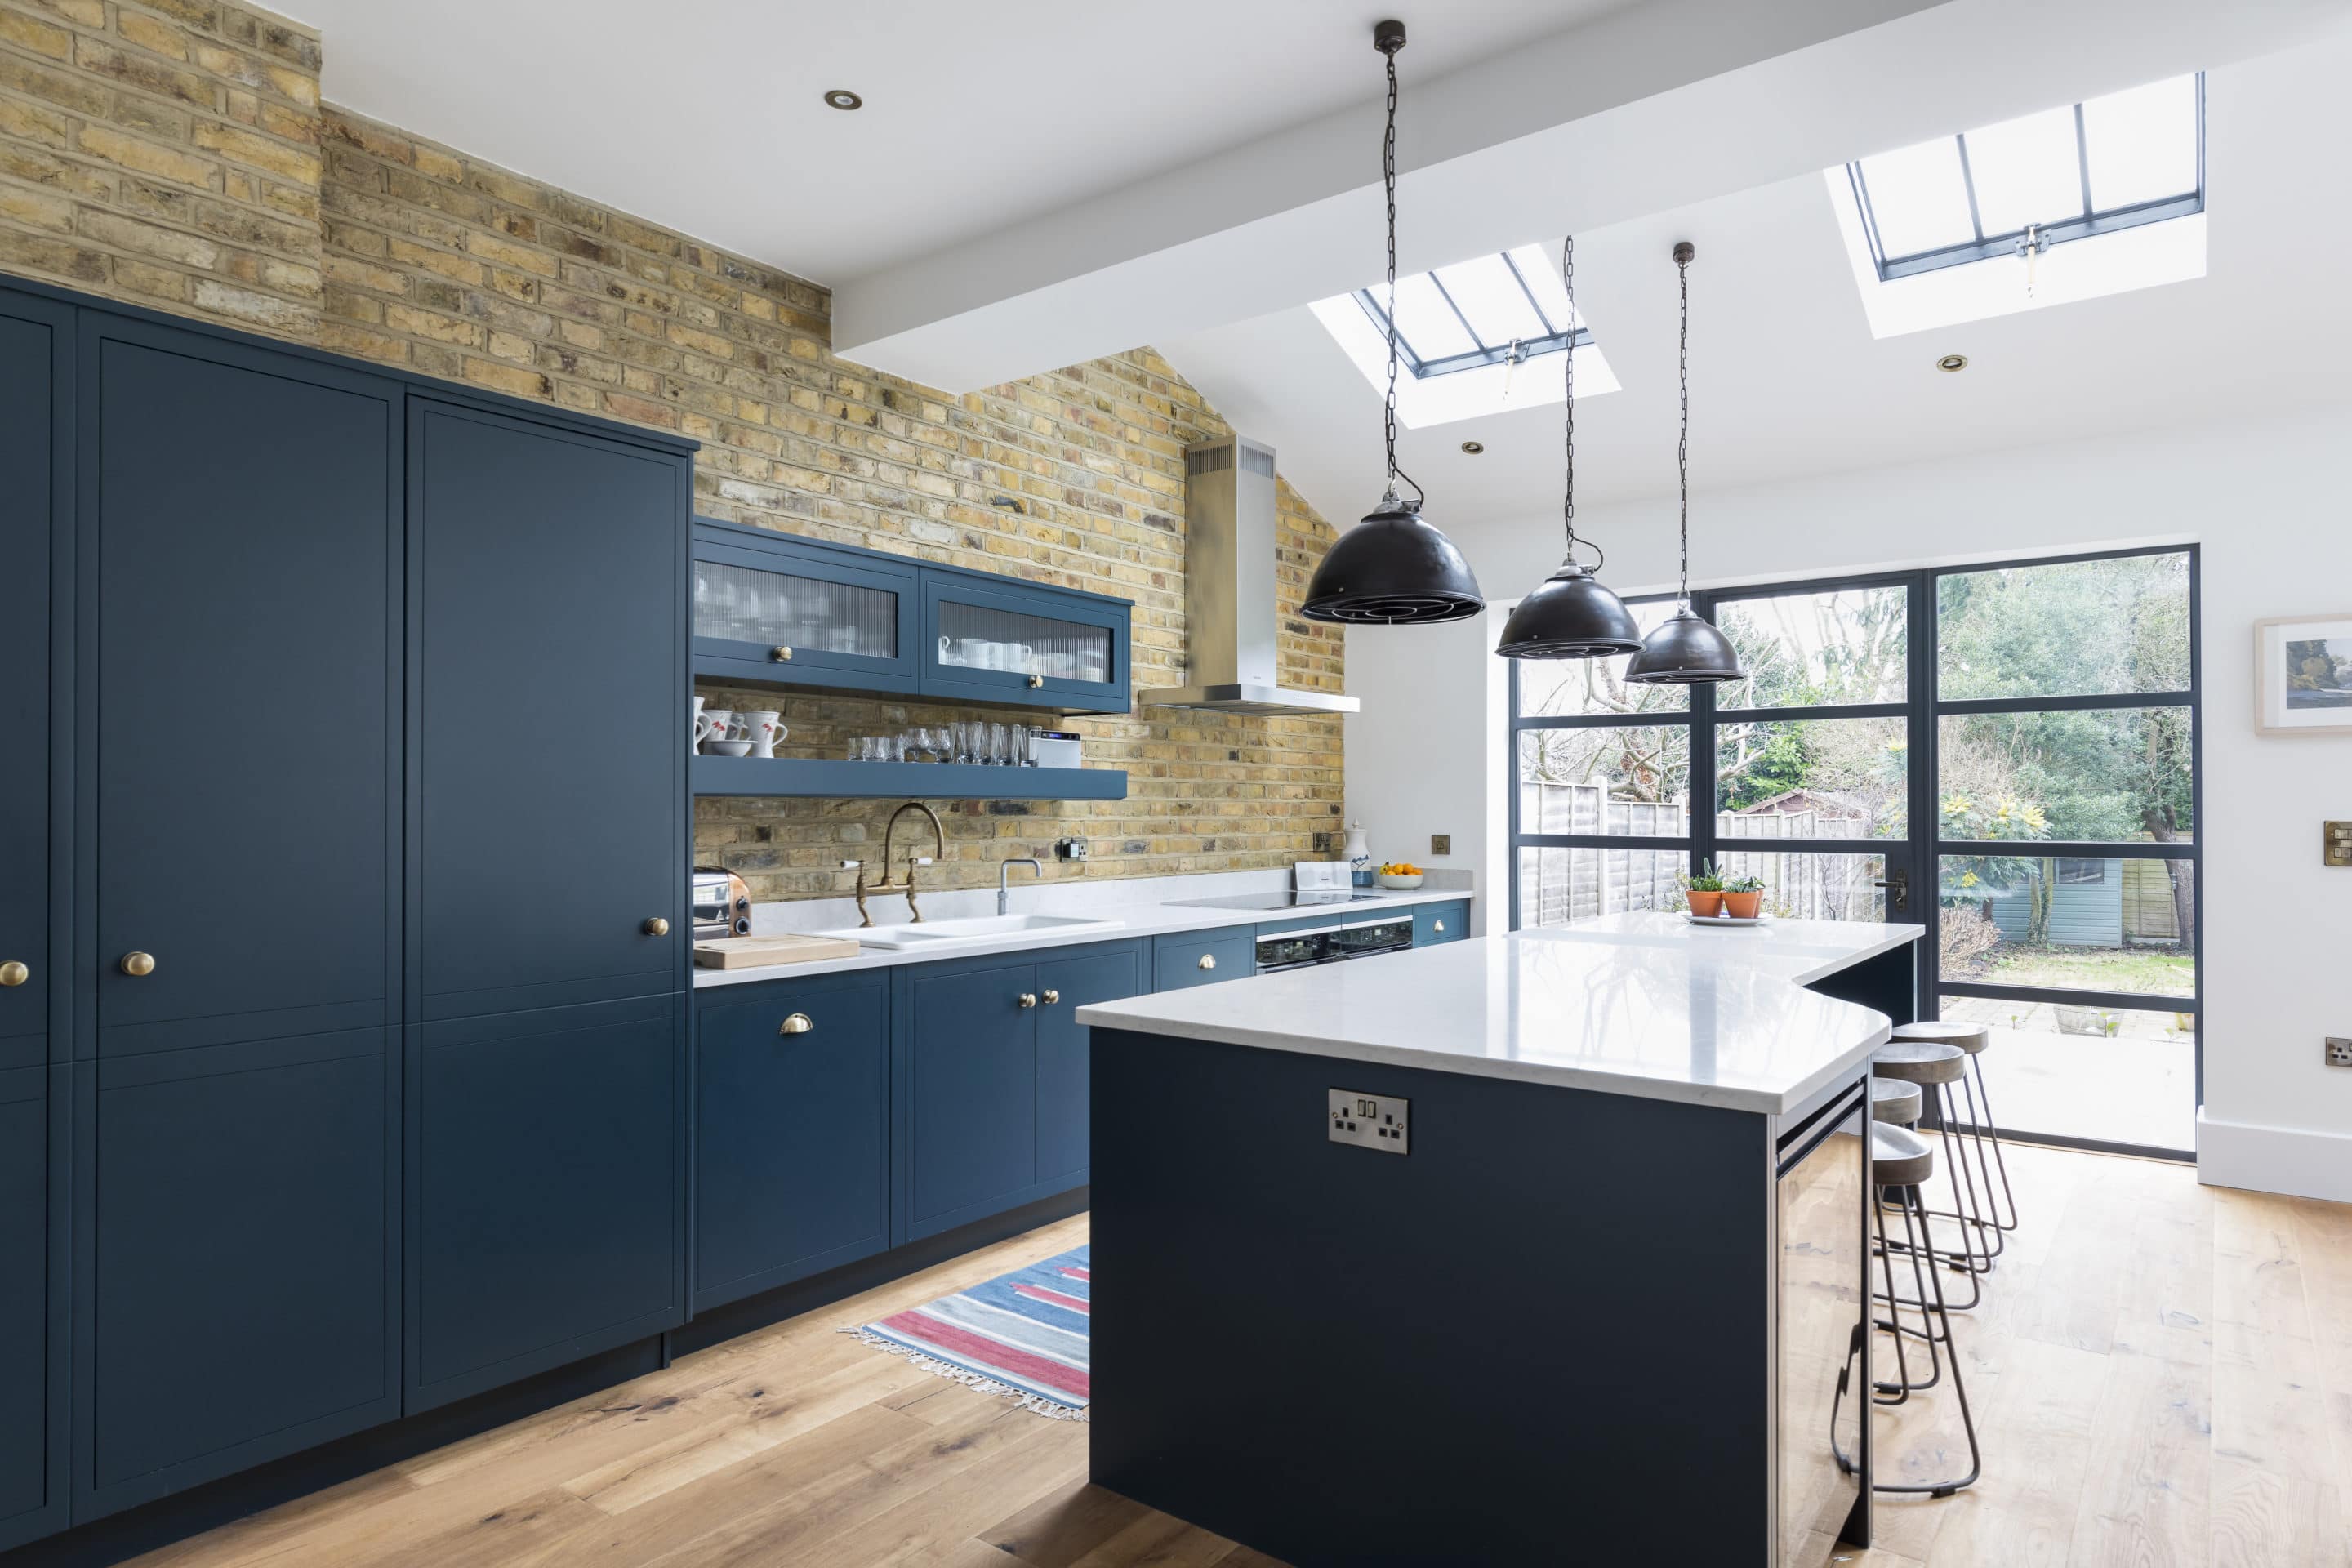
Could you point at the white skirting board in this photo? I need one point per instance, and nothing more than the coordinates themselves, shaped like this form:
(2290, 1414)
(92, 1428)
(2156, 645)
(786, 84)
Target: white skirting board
(2295, 1161)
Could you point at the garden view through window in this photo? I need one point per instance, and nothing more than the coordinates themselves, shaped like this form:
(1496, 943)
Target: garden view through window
(2004, 754)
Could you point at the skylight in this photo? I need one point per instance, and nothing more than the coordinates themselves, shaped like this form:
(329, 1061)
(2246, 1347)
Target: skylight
(2095, 198)
(2041, 180)
(1465, 335)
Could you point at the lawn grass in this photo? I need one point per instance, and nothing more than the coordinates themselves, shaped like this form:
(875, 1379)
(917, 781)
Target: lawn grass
(2155, 972)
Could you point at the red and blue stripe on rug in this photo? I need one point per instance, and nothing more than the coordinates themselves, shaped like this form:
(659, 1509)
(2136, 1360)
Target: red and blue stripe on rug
(1023, 1335)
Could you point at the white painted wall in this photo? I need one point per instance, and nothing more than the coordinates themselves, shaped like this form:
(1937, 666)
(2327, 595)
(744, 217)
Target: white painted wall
(2266, 500)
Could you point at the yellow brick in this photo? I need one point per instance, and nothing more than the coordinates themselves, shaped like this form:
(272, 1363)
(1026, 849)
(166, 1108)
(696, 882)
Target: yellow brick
(21, 121)
(343, 338)
(428, 325)
(437, 165)
(148, 157)
(37, 209)
(508, 378)
(81, 13)
(258, 151)
(37, 37)
(150, 34)
(492, 247)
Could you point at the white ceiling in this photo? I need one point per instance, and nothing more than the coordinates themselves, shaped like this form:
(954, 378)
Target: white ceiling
(1786, 377)
(706, 115)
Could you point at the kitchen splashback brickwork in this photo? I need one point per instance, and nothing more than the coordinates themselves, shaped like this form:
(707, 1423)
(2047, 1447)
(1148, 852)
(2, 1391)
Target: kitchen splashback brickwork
(176, 154)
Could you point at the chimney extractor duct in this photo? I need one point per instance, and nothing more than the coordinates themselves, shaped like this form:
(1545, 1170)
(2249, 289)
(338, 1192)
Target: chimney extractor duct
(1229, 524)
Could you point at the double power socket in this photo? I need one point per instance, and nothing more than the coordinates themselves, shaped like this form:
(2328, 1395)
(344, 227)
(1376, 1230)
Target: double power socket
(2339, 1052)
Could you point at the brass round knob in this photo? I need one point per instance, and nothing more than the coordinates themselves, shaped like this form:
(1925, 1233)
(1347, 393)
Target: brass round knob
(1052, 997)
(782, 654)
(1035, 681)
(1028, 999)
(798, 1024)
(1208, 961)
(14, 973)
(657, 927)
(136, 964)
(1440, 927)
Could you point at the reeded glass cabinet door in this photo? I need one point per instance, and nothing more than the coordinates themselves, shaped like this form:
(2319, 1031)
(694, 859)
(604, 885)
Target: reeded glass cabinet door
(794, 614)
(1022, 645)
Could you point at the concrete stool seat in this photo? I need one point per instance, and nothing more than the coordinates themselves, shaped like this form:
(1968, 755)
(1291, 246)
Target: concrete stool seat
(1919, 1062)
(1976, 1111)
(1900, 1157)
(1969, 1038)
(1894, 1100)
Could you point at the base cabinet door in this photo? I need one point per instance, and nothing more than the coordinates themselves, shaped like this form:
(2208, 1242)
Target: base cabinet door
(793, 1104)
(970, 1096)
(25, 1329)
(1064, 1065)
(545, 1214)
(239, 1302)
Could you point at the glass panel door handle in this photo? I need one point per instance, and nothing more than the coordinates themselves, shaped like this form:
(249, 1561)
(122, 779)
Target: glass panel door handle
(1898, 883)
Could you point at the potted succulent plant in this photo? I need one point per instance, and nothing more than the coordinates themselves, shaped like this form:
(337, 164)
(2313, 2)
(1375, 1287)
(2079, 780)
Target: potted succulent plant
(1743, 897)
(1704, 891)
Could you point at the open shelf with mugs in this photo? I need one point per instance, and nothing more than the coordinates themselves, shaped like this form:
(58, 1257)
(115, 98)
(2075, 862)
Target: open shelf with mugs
(752, 752)
(835, 779)
(778, 611)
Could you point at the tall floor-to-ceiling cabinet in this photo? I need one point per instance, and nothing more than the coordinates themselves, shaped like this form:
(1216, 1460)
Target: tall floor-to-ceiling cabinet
(343, 840)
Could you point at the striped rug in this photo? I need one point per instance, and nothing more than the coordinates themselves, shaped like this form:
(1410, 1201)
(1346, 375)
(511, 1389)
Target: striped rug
(1023, 1335)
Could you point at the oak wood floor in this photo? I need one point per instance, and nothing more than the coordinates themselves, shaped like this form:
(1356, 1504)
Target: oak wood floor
(2163, 1375)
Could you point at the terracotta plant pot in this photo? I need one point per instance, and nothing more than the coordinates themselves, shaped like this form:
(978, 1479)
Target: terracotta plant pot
(1742, 906)
(1707, 906)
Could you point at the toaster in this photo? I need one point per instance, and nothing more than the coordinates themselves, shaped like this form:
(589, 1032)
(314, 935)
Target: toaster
(721, 902)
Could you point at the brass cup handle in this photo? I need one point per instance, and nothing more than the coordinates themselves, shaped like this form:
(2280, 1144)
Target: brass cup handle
(14, 973)
(1052, 997)
(782, 654)
(138, 963)
(657, 926)
(1028, 999)
(798, 1024)
(1440, 926)
(1208, 961)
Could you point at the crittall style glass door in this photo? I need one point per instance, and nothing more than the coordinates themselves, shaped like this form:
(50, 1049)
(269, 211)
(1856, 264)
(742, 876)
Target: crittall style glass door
(2006, 754)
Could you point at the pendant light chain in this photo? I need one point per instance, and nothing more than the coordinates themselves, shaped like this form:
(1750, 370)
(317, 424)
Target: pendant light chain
(1389, 183)
(1682, 447)
(1568, 501)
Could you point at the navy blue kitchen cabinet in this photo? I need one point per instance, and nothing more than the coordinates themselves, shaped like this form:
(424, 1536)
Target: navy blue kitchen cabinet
(547, 648)
(1440, 922)
(1204, 957)
(773, 609)
(1065, 1066)
(546, 1194)
(235, 855)
(36, 359)
(791, 1131)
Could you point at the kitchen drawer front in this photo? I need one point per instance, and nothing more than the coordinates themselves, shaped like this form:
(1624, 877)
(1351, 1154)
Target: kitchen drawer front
(792, 1136)
(1440, 922)
(546, 1190)
(1063, 651)
(1203, 958)
(784, 612)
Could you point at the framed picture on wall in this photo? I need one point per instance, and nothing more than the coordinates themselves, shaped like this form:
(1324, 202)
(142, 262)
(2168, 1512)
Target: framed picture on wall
(2303, 675)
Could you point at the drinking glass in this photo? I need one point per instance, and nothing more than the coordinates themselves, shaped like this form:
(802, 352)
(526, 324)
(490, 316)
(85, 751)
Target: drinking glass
(1000, 747)
(966, 746)
(1022, 757)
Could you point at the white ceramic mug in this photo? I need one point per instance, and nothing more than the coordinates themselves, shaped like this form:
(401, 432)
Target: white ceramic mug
(717, 720)
(702, 727)
(763, 727)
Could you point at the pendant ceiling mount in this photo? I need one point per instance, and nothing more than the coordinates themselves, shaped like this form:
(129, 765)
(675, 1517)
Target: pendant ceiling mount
(1392, 568)
(1571, 615)
(1687, 651)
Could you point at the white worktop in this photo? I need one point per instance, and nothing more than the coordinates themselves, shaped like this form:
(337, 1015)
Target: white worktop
(1645, 1004)
(1139, 917)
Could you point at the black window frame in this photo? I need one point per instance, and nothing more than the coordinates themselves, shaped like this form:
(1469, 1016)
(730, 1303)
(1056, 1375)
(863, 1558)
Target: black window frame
(1515, 350)
(1919, 854)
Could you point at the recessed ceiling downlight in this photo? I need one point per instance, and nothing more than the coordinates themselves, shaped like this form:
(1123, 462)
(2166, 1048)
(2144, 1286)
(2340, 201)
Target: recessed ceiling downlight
(1474, 447)
(1953, 363)
(842, 98)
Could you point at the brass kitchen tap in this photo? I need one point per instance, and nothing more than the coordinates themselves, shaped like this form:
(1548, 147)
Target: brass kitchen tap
(938, 842)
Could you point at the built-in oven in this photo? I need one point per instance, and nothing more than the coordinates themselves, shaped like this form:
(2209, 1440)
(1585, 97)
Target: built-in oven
(1334, 943)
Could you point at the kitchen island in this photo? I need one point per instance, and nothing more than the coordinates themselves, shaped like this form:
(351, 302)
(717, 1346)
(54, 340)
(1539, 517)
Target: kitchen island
(1539, 1247)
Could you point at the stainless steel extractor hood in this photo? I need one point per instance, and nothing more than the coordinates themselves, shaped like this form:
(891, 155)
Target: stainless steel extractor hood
(1229, 621)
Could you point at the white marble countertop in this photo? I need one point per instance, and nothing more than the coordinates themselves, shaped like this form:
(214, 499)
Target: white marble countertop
(1643, 1005)
(1143, 918)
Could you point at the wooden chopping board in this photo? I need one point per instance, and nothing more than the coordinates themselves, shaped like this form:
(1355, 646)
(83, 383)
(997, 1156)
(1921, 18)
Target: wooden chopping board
(757, 951)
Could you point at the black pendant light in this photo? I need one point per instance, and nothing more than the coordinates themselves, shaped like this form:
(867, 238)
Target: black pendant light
(1392, 566)
(1571, 615)
(1685, 650)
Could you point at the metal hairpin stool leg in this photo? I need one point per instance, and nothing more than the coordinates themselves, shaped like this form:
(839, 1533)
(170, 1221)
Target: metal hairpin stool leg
(1973, 1038)
(1901, 1164)
(1936, 1069)
(1893, 1102)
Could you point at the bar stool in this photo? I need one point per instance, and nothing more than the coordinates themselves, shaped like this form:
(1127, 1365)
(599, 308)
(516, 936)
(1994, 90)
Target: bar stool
(1895, 1100)
(1902, 1164)
(1973, 1038)
(1934, 1068)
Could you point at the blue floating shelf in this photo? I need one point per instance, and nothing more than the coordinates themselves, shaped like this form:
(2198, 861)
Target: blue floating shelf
(813, 776)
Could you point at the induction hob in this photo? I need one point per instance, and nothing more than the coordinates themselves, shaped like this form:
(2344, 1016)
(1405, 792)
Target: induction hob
(1278, 898)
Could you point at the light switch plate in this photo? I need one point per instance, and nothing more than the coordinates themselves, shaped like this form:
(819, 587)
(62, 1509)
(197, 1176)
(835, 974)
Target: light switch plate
(1440, 844)
(1371, 1120)
(2335, 843)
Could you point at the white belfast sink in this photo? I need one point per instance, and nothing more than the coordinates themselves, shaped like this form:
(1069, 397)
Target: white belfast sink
(930, 933)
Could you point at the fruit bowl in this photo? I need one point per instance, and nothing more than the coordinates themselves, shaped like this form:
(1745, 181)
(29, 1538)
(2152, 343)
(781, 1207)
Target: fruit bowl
(1398, 883)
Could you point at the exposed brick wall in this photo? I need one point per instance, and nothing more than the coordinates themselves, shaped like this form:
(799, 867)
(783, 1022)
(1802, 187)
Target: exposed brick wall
(176, 153)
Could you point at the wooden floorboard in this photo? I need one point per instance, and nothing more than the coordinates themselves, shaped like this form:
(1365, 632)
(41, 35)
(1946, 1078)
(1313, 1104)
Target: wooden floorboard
(2161, 1374)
